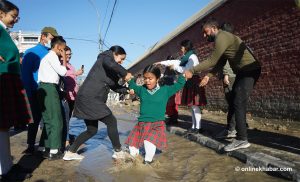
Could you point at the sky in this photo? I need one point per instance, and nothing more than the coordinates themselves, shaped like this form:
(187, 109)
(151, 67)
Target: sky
(136, 25)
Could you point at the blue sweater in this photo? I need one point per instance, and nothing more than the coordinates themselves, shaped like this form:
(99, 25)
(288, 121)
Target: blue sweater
(30, 67)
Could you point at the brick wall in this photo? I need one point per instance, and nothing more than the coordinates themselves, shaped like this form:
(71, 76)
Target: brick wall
(272, 29)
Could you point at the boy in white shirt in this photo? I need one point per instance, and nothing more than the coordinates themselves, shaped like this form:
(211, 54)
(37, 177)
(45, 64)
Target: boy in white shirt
(48, 97)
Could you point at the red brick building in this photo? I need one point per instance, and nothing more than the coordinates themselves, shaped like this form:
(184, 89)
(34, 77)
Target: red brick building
(271, 28)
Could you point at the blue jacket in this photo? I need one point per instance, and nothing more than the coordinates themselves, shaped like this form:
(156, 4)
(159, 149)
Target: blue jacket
(30, 67)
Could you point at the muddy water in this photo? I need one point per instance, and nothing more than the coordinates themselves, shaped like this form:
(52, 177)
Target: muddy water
(183, 161)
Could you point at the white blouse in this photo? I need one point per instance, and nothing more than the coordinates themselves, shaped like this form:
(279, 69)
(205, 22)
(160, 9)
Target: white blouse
(193, 61)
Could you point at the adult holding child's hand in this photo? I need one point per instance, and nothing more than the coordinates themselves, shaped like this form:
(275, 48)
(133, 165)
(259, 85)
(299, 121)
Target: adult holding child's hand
(90, 103)
(188, 74)
(128, 77)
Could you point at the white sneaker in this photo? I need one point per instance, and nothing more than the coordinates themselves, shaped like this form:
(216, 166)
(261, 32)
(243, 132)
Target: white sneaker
(118, 155)
(237, 144)
(72, 156)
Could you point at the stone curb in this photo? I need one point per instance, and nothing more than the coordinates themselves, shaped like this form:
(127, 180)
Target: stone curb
(255, 159)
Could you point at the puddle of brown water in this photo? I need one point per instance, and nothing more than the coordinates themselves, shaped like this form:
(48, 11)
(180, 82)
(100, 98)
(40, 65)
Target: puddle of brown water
(183, 161)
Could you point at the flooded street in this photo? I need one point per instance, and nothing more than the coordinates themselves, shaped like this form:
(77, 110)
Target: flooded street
(182, 161)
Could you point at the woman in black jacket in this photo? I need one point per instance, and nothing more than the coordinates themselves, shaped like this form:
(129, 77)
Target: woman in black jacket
(90, 103)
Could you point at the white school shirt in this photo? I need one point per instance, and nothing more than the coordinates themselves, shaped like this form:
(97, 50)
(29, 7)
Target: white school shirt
(50, 69)
(193, 61)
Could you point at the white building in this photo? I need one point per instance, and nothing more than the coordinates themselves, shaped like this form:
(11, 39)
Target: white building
(25, 40)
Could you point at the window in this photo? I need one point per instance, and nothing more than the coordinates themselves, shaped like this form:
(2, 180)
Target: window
(30, 39)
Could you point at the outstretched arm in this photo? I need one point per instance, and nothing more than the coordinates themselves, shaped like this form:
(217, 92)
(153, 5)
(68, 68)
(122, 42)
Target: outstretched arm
(120, 89)
(221, 44)
(192, 61)
(169, 62)
(176, 86)
(113, 66)
(137, 89)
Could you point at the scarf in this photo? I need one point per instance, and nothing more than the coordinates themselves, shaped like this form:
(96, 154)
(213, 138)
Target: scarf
(185, 58)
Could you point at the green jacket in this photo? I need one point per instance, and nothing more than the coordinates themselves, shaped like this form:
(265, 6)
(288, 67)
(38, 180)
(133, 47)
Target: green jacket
(9, 52)
(228, 47)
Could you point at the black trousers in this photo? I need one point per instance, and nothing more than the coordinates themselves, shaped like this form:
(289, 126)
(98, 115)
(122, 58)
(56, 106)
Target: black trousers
(71, 107)
(92, 128)
(241, 91)
(229, 99)
(37, 116)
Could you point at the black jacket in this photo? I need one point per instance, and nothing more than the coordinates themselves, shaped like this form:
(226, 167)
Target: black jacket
(90, 102)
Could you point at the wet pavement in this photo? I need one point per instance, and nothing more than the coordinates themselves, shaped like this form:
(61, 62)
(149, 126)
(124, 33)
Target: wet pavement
(184, 160)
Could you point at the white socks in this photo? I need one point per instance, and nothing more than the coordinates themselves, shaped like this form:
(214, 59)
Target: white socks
(53, 151)
(150, 149)
(193, 119)
(196, 117)
(5, 155)
(133, 151)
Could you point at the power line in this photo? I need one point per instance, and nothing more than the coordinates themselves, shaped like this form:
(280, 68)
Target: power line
(112, 13)
(105, 13)
(99, 29)
(107, 45)
(86, 40)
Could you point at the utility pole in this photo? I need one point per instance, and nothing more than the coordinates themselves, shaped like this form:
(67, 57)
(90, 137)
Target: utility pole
(99, 29)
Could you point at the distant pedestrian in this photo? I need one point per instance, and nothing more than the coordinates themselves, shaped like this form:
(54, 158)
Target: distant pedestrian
(90, 102)
(14, 106)
(150, 131)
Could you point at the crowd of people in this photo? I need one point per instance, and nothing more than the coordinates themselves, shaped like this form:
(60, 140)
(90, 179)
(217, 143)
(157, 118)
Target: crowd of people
(46, 90)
